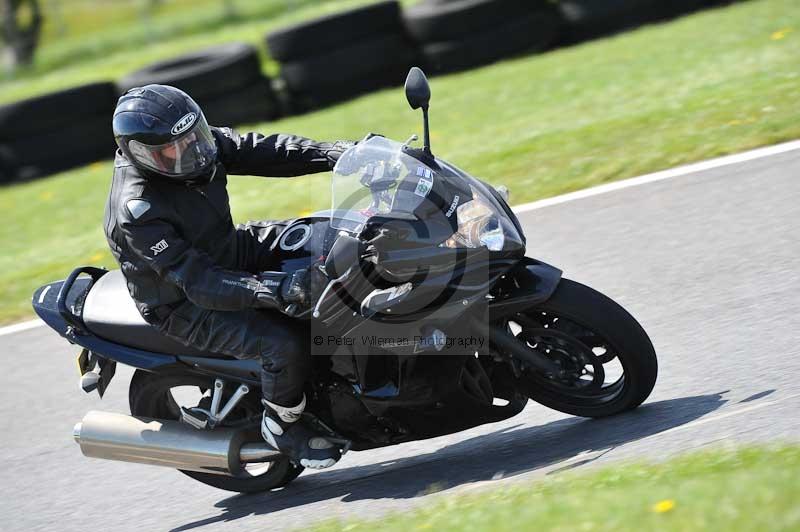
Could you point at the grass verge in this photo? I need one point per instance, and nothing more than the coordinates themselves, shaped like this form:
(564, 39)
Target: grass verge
(747, 489)
(713, 83)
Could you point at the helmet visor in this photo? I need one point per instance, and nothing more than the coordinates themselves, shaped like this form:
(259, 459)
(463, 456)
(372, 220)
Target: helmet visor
(184, 156)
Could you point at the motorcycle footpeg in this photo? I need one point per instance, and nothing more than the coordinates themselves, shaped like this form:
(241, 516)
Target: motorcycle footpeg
(331, 435)
(342, 443)
(89, 381)
(196, 418)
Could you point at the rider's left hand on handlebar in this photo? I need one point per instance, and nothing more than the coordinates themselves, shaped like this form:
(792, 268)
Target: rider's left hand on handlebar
(336, 150)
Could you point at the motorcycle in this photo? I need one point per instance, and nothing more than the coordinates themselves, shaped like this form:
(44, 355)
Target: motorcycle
(431, 321)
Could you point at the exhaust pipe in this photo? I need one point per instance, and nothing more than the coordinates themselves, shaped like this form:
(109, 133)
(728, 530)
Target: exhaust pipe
(167, 443)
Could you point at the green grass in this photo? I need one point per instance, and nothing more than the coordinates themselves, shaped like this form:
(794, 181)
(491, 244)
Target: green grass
(743, 490)
(713, 83)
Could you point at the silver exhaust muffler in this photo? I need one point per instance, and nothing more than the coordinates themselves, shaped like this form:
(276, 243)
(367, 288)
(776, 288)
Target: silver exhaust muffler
(167, 443)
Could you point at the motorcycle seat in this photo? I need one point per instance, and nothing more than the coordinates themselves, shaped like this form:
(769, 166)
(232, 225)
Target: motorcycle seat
(110, 313)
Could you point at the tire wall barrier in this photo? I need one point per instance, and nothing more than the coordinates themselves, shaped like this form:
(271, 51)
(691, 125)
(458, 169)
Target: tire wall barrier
(325, 60)
(586, 19)
(56, 131)
(342, 55)
(225, 80)
(460, 34)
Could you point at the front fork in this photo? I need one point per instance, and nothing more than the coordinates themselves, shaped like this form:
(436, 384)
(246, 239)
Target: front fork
(530, 283)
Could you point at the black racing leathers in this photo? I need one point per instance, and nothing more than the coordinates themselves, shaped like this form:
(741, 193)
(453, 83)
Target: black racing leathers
(178, 248)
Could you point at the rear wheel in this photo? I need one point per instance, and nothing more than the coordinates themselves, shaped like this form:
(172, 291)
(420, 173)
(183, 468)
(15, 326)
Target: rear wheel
(161, 396)
(607, 360)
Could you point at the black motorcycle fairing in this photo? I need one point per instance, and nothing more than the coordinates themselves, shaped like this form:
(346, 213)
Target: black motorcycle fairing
(530, 283)
(379, 371)
(439, 300)
(433, 395)
(383, 374)
(457, 178)
(389, 233)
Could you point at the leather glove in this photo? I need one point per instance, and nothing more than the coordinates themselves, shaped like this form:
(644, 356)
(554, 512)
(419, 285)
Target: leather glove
(268, 292)
(336, 150)
(295, 288)
(288, 293)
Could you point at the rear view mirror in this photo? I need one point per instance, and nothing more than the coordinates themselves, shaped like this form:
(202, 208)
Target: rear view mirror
(418, 92)
(344, 253)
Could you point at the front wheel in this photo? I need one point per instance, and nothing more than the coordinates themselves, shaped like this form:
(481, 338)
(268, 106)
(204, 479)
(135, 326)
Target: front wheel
(608, 364)
(161, 395)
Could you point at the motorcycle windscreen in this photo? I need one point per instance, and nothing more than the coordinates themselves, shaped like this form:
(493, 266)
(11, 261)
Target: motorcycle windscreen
(376, 177)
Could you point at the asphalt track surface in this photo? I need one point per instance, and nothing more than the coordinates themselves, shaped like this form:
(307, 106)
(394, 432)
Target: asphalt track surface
(708, 262)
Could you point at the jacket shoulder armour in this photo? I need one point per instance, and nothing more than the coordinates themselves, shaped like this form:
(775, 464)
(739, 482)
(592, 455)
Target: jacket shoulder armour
(140, 201)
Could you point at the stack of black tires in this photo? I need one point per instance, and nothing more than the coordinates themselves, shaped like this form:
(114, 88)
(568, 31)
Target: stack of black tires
(586, 19)
(459, 34)
(336, 57)
(226, 81)
(325, 60)
(56, 131)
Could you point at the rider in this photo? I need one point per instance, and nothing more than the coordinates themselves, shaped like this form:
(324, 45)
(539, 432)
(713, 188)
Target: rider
(195, 276)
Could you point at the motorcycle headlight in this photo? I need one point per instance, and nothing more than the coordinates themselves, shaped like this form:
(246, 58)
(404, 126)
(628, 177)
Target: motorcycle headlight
(477, 226)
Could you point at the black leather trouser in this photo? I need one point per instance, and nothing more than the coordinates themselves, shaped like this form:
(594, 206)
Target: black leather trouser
(281, 343)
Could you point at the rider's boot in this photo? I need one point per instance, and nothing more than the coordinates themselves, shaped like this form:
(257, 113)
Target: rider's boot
(282, 429)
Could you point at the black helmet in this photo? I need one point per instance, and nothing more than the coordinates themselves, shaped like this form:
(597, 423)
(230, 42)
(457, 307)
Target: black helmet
(161, 129)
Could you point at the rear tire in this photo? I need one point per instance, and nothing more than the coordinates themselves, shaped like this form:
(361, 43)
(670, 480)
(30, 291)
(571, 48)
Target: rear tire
(587, 314)
(148, 396)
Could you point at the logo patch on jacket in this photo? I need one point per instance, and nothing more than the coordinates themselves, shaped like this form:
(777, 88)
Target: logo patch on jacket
(159, 247)
(137, 207)
(184, 123)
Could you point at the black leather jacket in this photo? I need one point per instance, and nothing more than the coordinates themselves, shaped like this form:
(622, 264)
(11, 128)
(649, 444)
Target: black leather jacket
(176, 242)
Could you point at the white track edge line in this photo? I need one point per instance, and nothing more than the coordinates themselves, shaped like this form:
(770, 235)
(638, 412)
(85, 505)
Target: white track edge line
(726, 160)
(709, 164)
(19, 327)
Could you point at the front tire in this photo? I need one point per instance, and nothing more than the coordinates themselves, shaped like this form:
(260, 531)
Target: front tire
(584, 332)
(151, 395)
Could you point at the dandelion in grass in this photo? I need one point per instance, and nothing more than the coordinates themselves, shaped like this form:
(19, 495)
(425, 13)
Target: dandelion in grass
(780, 34)
(663, 506)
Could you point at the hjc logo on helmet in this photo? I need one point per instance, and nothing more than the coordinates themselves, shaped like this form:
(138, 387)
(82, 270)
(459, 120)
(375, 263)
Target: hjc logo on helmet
(184, 123)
